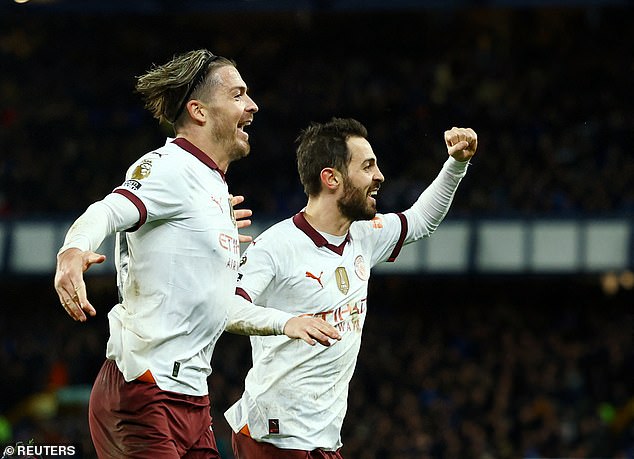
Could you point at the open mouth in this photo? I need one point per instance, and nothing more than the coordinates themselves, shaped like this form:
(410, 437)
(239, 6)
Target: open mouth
(242, 125)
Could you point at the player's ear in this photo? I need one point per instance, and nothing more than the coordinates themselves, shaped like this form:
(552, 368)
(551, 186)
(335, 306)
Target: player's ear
(330, 178)
(196, 110)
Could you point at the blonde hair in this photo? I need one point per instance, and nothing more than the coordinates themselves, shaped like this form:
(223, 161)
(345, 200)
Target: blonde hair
(167, 88)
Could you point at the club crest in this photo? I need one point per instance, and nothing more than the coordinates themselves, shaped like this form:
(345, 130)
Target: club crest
(361, 269)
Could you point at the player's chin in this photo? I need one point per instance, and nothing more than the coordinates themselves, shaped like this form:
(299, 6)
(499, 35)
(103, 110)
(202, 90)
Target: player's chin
(241, 150)
(370, 213)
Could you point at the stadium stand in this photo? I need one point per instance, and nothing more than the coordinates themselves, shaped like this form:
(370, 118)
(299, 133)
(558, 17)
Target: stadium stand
(451, 366)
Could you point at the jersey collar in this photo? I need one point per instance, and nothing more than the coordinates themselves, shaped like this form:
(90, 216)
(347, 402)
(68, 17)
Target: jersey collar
(300, 221)
(199, 154)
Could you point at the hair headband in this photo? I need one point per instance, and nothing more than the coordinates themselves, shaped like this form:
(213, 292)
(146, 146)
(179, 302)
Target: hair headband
(198, 78)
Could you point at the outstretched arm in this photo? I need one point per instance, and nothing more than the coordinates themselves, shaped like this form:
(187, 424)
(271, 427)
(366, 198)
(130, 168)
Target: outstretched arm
(246, 318)
(433, 204)
(77, 255)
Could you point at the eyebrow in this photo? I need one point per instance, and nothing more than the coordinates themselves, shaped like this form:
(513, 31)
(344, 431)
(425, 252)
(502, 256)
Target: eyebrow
(241, 88)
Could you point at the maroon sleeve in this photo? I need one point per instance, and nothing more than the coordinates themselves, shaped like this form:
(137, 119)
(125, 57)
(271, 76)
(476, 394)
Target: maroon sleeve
(137, 203)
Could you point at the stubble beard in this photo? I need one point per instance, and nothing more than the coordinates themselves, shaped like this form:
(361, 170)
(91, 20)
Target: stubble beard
(235, 148)
(238, 151)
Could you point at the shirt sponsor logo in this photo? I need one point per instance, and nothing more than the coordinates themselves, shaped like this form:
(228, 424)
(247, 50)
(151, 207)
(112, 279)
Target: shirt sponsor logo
(349, 317)
(142, 170)
(231, 245)
(342, 279)
(361, 269)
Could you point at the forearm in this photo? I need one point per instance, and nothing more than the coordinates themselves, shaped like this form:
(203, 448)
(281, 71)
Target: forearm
(113, 213)
(246, 318)
(432, 206)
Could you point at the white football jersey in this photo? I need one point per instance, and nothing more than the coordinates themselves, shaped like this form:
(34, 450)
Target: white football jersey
(176, 270)
(295, 394)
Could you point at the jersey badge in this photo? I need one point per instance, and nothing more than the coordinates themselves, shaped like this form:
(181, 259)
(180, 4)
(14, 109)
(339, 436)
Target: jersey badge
(342, 279)
(274, 426)
(361, 269)
(317, 278)
(142, 170)
(132, 184)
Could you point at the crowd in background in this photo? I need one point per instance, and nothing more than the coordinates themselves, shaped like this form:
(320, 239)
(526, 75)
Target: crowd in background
(448, 368)
(457, 368)
(547, 90)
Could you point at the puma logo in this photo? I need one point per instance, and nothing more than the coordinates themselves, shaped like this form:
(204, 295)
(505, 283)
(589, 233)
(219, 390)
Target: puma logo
(318, 279)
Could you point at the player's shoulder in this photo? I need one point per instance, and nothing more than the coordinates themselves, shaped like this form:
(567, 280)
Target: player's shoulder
(367, 227)
(278, 236)
(163, 160)
(163, 154)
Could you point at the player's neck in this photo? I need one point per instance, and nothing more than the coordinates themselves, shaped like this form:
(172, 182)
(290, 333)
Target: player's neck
(325, 217)
(215, 152)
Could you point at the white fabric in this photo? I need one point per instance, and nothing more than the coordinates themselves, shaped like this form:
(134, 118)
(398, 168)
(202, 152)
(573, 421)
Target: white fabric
(246, 318)
(155, 318)
(176, 272)
(102, 218)
(433, 204)
(296, 395)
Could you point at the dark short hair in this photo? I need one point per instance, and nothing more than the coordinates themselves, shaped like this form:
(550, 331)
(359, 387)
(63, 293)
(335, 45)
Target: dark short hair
(323, 145)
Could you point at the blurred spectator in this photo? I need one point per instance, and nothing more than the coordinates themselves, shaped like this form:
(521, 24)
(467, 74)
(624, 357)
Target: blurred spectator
(548, 90)
(495, 373)
(513, 368)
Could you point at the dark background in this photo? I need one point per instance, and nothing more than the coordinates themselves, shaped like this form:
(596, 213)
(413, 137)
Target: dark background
(451, 366)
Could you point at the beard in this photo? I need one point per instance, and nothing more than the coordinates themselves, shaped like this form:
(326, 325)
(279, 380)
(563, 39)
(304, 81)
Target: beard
(354, 203)
(238, 150)
(235, 148)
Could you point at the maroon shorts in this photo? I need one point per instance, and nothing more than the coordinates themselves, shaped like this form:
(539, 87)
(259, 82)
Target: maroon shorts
(138, 420)
(245, 447)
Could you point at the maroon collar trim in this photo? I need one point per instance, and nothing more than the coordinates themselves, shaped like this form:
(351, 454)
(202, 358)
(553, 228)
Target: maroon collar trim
(199, 154)
(320, 241)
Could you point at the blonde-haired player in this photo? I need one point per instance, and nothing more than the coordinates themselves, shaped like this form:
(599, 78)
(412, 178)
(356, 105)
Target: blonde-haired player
(177, 253)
